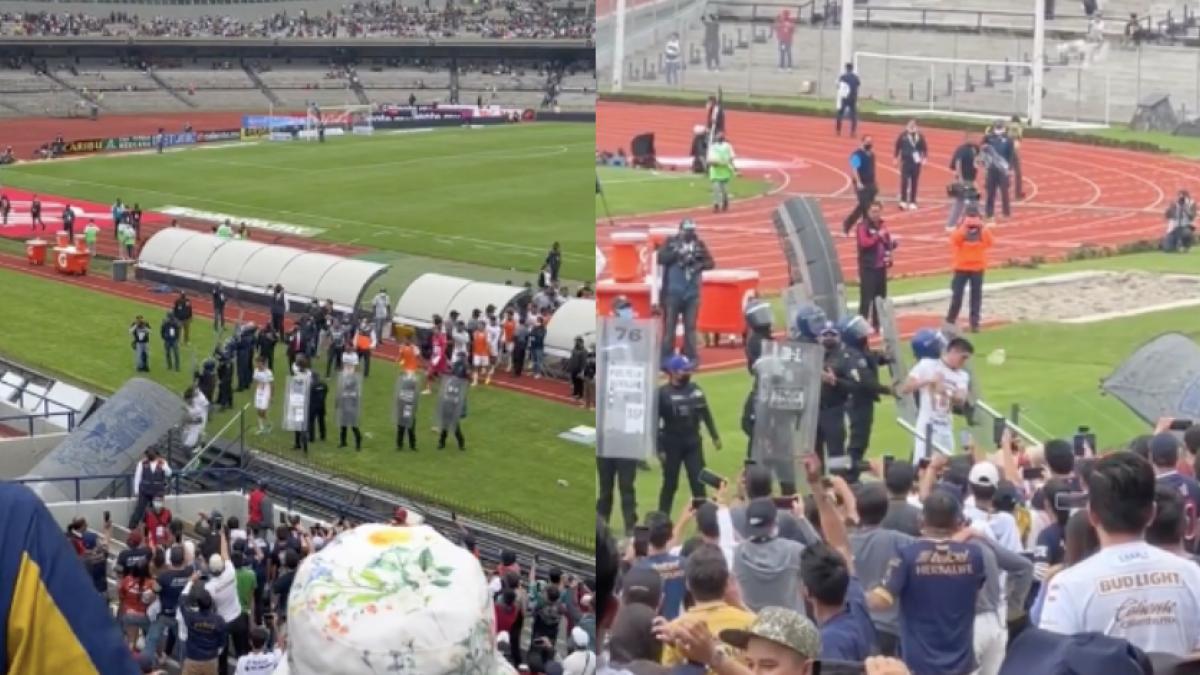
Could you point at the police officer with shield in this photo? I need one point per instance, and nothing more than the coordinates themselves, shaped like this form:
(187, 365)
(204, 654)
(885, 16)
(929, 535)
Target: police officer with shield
(404, 409)
(349, 400)
(813, 326)
(860, 407)
(758, 330)
(682, 406)
(452, 403)
(296, 403)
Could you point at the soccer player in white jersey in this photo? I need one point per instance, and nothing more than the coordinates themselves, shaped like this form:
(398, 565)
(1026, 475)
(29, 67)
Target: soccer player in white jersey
(493, 340)
(1128, 589)
(939, 384)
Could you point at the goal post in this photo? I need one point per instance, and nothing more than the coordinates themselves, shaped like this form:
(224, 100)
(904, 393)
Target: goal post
(345, 119)
(1073, 96)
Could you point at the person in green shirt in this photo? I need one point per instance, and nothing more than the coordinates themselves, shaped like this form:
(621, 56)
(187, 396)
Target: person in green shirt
(247, 584)
(225, 231)
(89, 236)
(720, 171)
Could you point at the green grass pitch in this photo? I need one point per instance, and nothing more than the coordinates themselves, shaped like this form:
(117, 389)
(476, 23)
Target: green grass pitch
(510, 470)
(493, 196)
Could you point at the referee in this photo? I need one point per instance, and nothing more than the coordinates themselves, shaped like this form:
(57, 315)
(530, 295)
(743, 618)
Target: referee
(862, 161)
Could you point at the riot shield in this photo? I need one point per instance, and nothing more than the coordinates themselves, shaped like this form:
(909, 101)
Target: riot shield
(349, 399)
(627, 402)
(295, 402)
(787, 399)
(451, 399)
(404, 400)
(1160, 379)
(906, 406)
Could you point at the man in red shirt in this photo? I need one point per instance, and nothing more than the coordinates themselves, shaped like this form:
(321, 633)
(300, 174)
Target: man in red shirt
(785, 28)
(158, 523)
(255, 505)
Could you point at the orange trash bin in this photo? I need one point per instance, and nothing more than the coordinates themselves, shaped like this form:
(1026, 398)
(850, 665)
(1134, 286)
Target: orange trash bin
(638, 294)
(626, 259)
(35, 251)
(723, 298)
(81, 242)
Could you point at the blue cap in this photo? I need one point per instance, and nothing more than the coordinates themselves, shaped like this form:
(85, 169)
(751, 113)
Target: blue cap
(677, 364)
(927, 343)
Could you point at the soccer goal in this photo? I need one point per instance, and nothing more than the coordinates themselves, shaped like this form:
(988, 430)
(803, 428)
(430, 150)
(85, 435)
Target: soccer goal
(338, 120)
(1074, 96)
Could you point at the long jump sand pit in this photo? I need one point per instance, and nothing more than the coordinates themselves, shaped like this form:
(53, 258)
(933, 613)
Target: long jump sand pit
(1075, 298)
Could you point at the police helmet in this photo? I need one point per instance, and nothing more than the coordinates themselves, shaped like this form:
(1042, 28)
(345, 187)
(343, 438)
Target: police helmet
(927, 343)
(621, 304)
(829, 329)
(677, 364)
(808, 321)
(855, 330)
(758, 316)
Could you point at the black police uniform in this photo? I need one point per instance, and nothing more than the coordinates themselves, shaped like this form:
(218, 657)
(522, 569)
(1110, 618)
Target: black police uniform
(225, 381)
(860, 407)
(831, 421)
(681, 409)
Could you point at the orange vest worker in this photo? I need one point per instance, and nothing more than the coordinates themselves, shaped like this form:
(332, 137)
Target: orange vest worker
(970, 247)
(409, 359)
(479, 344)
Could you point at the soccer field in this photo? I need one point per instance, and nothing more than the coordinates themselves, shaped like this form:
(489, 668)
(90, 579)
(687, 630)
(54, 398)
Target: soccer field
(509, 473)
(493, 196)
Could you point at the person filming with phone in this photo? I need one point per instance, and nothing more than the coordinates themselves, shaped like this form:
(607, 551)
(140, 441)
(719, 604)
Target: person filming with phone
(682, 407)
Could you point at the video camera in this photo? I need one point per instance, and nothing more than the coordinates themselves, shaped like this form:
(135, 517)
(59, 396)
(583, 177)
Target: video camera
(962, 190)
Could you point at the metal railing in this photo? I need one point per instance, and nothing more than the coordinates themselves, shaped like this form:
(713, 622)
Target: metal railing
(28, 419)
(240, 440)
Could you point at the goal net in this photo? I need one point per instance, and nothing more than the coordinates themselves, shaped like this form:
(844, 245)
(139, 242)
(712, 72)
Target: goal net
(1074, 95)
(340, 120)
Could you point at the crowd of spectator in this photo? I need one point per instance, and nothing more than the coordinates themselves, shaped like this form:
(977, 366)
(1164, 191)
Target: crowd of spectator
(1039, 559)
(508, 19)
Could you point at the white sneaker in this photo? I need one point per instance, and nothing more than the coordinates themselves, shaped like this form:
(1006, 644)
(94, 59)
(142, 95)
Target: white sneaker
(912, 207)
(903, 206)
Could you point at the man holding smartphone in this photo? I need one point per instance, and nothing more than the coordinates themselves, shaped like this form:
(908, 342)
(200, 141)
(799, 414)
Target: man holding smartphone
(943, 384)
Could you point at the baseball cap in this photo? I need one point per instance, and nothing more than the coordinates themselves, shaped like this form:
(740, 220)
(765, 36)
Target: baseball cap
(783, 627)
(642, 585)
(984, 473)
(376, 587)
(760, 518)
(1164, 449)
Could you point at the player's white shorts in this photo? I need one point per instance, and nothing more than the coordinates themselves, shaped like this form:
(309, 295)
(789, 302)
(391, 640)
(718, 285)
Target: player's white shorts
(943, 437)
(481, 361)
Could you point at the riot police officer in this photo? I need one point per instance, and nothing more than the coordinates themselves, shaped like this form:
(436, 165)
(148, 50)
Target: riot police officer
(681, 408)
(758, 330)
(619, 470)
(837, 382)
(860, 408)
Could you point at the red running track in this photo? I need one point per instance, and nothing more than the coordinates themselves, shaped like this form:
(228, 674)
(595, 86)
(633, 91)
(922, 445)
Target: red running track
(1076, 194)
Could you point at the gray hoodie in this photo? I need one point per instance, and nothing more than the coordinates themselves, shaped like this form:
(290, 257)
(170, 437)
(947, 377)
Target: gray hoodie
(768, 573)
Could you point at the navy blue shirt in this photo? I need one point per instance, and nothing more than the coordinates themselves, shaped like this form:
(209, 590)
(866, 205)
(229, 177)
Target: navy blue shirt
(849, 636)
(1003, 145)
(205, 635)
(171, 584)
(670, 569)
(852, 83)
(863, 163)
(964, 158)
(935, 584)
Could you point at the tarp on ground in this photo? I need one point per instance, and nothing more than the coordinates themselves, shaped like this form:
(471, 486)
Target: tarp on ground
(110, 441)
(1160, 379)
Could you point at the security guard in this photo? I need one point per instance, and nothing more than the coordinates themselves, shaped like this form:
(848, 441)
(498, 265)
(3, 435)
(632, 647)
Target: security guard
(621, 471)
(758, 330)
(860, 408)
(681, 408)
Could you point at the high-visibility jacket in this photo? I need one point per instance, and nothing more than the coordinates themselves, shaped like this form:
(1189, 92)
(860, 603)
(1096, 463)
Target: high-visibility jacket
(970, 249)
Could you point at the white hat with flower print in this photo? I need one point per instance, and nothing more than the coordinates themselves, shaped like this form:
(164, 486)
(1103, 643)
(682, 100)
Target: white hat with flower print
(381, 598)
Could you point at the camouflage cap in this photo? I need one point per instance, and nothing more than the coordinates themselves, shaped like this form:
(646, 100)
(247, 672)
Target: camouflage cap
(781, 626)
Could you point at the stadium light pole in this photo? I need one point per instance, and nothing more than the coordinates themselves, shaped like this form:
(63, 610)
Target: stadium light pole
(618, 46)
(1038, 63)
(847, 34)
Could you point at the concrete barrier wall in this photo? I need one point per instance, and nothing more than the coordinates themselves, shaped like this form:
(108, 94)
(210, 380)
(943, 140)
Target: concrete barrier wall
(184, 507)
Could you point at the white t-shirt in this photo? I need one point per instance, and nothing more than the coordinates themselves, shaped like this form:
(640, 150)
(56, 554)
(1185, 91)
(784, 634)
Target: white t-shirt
(262, 388)
(1132, 591)
(1002, 526)
(223, 589)
(253, 663)
(493, 338)
(936, 408)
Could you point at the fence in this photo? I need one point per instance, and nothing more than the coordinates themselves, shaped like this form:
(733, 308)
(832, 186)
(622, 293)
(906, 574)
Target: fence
(1084, 81)
(26, 422)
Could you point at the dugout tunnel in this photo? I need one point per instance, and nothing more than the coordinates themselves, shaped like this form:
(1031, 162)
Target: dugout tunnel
(196, 261)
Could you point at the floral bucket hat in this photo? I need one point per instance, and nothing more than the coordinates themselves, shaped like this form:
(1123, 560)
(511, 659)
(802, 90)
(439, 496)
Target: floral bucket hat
(386, 599)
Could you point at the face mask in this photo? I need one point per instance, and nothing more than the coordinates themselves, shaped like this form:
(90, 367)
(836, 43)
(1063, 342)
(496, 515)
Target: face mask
(830, 343)
(158, 506)
(867, 146)
(684, 380)
(625, 313)
(689, 235)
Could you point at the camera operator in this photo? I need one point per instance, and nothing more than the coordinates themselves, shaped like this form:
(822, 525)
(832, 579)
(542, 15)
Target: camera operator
(970, 243)
(683, 257)
(965, 163)
(1181, 229)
